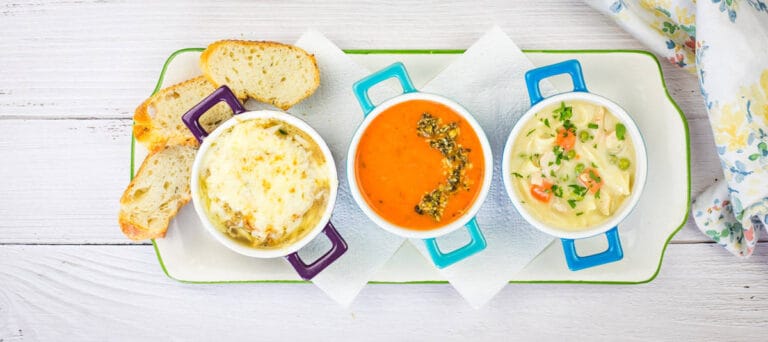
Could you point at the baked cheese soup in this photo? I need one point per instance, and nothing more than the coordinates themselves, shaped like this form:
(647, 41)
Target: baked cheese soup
(264, 183)
(573, 165)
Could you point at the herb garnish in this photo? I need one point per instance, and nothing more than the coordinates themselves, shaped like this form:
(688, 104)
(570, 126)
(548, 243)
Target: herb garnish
(517, 175)
(578, 190)
(530, 132)
(594, 176)
(557, 191)
(282, 131)
(593, 125)
(455, 162)
(564, 113)
(572, 203)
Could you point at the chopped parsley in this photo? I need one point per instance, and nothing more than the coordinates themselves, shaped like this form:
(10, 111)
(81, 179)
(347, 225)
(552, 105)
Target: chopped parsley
(282, 131)
(593, 125)
(530, 132)
(579, 213)
(569, 126)
(594, 176)
(517, 175)
(557, 191)
(597, 194)
(578, 190)
(564, 113)
(620, 131)
(572, 203)
(546, 123)
(559, 154)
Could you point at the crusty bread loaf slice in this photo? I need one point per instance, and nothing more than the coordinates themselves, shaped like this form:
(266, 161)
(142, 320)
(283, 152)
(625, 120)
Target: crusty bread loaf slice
(270, 72)
(159, 190)
(157, 121)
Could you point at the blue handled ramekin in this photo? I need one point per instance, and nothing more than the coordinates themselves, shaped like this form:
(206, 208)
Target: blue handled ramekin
(614, 251)
(467, 220)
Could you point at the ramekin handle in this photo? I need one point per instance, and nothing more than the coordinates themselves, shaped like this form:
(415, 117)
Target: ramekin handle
(476, 245)
(192, 117)
(612, 254)
(534, 76)
(338, 248)
(361, 87)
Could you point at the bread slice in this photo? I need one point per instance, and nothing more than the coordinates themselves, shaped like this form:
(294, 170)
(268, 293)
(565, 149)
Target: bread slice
(270, 72)
(159, 190)
(157, 121)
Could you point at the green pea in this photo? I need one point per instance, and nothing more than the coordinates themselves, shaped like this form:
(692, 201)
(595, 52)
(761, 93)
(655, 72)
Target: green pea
(624, 163)
(584, 136)
(579, 168)
(570, 154)
(613, 160)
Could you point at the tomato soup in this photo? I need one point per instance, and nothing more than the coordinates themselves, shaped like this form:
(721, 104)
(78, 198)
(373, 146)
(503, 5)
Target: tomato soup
(419, 165)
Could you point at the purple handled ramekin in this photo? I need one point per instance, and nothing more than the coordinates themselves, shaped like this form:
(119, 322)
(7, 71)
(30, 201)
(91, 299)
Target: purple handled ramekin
(289, 251)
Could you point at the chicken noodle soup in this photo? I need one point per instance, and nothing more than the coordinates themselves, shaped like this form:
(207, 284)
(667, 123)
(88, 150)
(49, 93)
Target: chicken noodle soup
(573, 165)
(419, 165)
(264, 183)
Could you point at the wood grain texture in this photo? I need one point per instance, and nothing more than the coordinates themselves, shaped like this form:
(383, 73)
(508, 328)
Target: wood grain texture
(71, 74)
(99, 59)
(98, 293)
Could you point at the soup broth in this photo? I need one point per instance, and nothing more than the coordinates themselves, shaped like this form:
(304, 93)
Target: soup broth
(573, 165)
(419, 165)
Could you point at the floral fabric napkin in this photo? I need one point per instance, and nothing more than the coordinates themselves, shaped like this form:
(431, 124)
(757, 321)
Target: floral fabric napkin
(725, 42)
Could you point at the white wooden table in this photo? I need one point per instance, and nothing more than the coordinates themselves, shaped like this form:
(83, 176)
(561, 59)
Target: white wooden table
(71, 73)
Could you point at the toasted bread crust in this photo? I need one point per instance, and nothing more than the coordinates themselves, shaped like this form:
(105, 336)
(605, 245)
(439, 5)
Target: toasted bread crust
(135, 230)
(211, 49)
(147, 132)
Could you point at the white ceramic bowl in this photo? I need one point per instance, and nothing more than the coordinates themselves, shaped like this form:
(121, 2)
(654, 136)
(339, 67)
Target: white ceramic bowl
(412, 233)
(641, 165)
(222, 237)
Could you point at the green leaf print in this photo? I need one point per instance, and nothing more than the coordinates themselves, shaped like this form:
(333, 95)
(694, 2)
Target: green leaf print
(714, 235)
(664, 12)
(690, 29)
(754, 157)
(669, 27)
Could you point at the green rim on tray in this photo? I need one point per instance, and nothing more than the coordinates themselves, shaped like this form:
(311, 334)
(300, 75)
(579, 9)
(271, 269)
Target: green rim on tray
(159, 83)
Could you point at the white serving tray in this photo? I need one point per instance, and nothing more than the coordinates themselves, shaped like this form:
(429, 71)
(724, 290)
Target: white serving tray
(631, 78)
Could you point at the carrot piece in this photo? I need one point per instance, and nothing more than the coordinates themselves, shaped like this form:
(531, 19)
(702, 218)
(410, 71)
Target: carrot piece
(566, 139)
(590, 178)
(542, 192)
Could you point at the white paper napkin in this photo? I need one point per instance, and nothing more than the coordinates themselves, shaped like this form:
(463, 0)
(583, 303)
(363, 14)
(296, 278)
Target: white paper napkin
(335, 113)
(488, 80)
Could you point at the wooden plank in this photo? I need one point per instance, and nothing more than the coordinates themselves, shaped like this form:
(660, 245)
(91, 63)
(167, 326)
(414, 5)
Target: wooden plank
(97, 293)
(61, 180)
(54, 67)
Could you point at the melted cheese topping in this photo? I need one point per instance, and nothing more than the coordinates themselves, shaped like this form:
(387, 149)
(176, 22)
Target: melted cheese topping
(266, 183)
